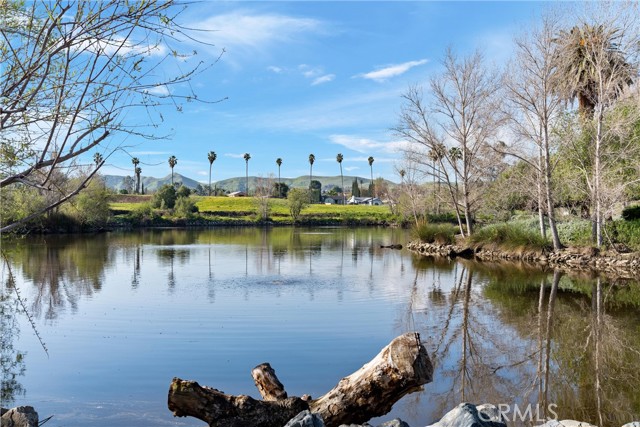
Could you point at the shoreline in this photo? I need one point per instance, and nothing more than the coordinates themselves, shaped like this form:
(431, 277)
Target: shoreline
(622, 265)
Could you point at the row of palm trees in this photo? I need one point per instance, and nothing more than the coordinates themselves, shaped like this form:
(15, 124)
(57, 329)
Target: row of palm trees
(212, 156)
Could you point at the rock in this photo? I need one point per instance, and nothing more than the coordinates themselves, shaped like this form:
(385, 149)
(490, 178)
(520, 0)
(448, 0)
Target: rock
(468, 415)
(632, 424)
(566, 423)
(305, 419)
(21, 416)
(394, 423)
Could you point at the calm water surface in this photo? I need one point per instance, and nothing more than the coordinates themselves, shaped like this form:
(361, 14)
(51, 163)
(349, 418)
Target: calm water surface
(121, 314)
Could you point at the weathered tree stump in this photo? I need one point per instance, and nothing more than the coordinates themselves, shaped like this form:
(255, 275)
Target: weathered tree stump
(400, 368)
(268, 384)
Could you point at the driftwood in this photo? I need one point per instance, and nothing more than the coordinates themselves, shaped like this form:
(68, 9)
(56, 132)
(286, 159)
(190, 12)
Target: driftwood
(400, 368)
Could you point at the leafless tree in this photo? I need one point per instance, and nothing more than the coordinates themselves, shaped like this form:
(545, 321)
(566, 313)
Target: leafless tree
(73, 74)
(461, 115)
(532, 107)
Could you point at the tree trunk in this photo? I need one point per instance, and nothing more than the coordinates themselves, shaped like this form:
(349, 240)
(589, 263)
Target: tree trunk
(268, 384)
(400, 368)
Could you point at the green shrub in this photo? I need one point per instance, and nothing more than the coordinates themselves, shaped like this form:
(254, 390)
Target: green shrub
(510, 236)
(442, 234)
(185, 207)
(447, 217)
(575, 233)
(143, 212)
(626, 232)
(165, 197)
(631, 213)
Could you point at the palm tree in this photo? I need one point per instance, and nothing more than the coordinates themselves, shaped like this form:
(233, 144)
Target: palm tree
(212, 156)
(587, 55)
(172, 162)
(279, 163)
(98, 159)
(246, 158)
(135, 162)
(138, 171)
(339, 159)
(312, 159)
(371, 160)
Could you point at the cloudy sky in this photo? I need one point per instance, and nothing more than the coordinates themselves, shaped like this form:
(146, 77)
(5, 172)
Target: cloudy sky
(314, 77)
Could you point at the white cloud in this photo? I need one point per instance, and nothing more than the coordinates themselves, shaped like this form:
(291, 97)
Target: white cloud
(246, 30)
(387, 72)
(159, 90)
(234, 155)
(323, 79)
(351, 168)
(366, 145)
(203, 173)
(275, 69)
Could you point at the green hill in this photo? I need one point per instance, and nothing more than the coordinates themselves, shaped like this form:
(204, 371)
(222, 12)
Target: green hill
(151, 184)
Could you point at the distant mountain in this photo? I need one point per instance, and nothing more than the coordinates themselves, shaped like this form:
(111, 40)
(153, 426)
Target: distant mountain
(151, 184)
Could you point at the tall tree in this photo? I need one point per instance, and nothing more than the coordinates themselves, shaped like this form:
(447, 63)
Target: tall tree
(533, 108)
(371, 160)
(596, 61)
(211, 156)
(73, 76)
(135, 162)
(462, 115)
(138, 172)
(339, 159)
(246, 158)
(173, 161)
(312, 159)
(279, 163)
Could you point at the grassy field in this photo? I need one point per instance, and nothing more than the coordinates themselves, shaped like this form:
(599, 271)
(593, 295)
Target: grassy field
(245, 209)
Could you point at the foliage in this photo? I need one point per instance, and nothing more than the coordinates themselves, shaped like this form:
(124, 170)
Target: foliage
(575, 232)
(442, 234)
(142, 212)
(280, 189)
(509, 236)
(91, 206)
(73, 75)
(298, 199)
(631, 213)
(185, 207)
(183, 191)
(355, 189)
(165, 197)
(626, 232)
(18, 202)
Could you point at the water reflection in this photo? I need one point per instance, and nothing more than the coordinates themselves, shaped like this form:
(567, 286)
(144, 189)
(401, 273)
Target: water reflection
(502, 333)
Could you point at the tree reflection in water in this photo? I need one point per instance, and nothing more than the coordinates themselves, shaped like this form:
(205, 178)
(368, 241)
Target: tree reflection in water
(498, 333)
(12, 360)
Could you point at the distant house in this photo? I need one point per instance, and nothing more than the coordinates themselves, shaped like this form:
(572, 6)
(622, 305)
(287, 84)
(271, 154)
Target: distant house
(372, 201)
(237, 194)
(332, 200)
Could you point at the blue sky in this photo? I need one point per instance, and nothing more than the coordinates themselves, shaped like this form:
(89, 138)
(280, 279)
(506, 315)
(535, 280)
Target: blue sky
(315, 77)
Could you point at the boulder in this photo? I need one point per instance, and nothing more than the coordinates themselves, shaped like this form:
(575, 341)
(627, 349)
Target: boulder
(21, 416)
(632, 424)
(305, 419)
(566, 423)
(470, 415)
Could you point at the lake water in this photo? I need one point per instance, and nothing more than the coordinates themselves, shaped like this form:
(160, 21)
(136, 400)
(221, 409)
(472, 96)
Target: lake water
(121, 314)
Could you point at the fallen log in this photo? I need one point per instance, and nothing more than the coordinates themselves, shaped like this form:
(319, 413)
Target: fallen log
(400, 368)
